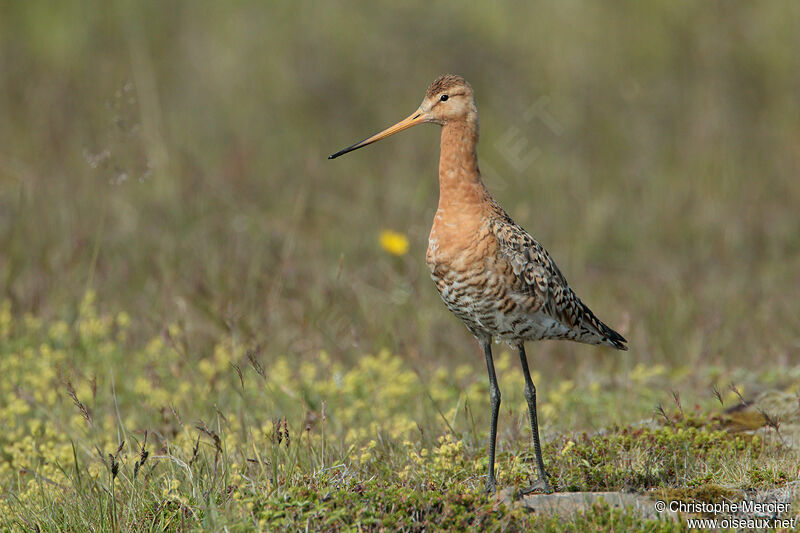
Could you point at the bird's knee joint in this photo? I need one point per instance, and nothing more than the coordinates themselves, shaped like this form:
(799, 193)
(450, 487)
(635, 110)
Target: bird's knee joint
(494, 396)
(530, 392)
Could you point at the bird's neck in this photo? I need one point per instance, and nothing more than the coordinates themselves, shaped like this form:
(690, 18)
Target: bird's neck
(460, 184)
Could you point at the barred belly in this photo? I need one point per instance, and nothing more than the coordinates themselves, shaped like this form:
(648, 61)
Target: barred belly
(490, 307)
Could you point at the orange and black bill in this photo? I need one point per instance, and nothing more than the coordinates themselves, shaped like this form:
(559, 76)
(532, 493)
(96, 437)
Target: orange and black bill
(418, 117)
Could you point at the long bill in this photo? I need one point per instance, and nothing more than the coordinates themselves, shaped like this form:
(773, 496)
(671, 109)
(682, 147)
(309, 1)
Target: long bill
(418, 117)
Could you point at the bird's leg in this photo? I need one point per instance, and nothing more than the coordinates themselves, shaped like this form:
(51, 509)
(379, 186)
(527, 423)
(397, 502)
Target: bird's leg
(494, 396)
(542, 484)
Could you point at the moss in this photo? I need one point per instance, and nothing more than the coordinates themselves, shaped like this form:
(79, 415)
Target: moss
(631, 458)
(390, 507)
(742, 420)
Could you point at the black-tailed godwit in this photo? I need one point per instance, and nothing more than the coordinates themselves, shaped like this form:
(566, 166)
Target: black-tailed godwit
(489, 271)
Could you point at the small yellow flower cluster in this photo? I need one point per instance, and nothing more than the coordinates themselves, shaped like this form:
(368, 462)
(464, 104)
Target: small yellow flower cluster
(441, 464)
(366, 452)
(225, 352)
(393, 242)
(567, 447)
(643, 374)
(258, 417)
(169, 486)
(557, 400)
(91, 326)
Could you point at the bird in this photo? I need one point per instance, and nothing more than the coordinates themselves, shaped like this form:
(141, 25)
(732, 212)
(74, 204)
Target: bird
(491, 273)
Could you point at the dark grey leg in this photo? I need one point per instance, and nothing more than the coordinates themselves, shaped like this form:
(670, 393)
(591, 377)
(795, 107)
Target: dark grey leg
(530, 395)
(494, 396)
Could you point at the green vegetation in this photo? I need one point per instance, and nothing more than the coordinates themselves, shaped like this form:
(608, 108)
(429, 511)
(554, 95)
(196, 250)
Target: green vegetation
(287, 444)
(204, 324)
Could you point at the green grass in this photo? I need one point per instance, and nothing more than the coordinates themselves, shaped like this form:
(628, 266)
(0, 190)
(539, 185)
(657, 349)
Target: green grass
(235, 440)
(176, 253)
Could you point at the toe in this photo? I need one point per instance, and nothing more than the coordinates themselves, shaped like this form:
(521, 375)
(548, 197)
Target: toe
(540, 486)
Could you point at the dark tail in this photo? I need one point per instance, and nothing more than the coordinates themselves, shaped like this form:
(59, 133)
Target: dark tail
(612, 338)
(608, 337)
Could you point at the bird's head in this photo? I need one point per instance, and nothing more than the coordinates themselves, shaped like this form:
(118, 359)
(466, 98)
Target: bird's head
(448, 99)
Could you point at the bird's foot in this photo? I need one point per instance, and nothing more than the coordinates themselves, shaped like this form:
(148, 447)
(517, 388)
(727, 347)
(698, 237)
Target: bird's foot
(541, 485)
(491, 485)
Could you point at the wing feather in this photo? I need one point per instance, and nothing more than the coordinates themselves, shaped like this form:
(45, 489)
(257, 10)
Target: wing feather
(542, 279)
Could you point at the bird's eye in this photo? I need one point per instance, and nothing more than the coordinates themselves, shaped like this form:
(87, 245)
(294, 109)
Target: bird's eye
(444, 98)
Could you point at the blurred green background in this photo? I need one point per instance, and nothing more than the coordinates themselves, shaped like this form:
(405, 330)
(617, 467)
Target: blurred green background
(172, 156)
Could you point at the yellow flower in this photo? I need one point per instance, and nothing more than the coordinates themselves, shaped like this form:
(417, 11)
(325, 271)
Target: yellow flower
(393, 242)
(123, 320)
(567, 447)
(642, 373)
